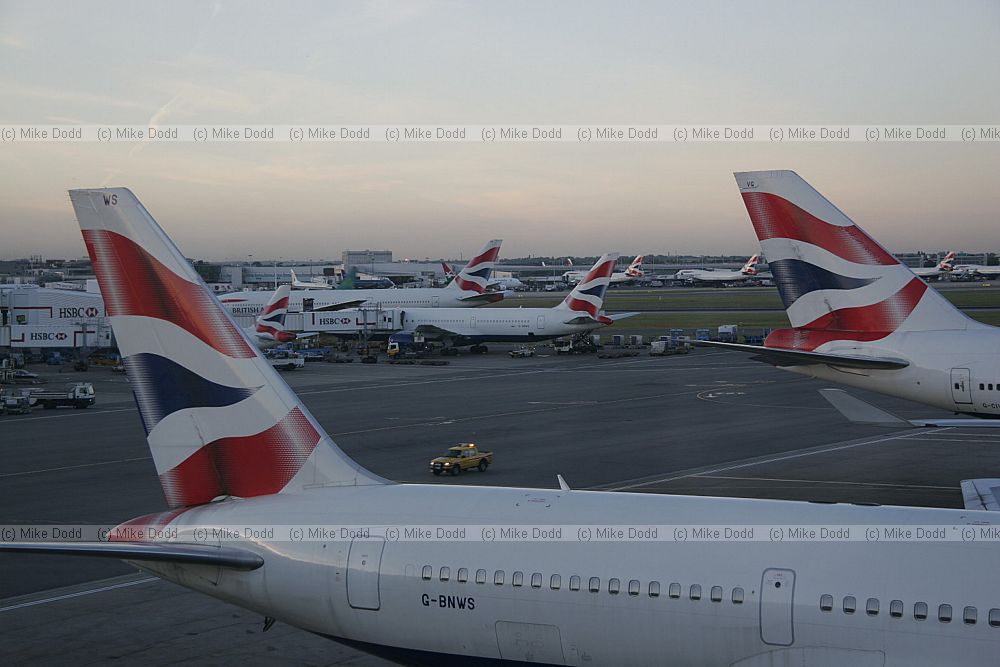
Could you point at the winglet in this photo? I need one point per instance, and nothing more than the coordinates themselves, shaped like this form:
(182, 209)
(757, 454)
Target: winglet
(563, 486)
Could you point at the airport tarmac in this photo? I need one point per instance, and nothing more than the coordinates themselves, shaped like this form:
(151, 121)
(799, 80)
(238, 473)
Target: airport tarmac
(709, 423)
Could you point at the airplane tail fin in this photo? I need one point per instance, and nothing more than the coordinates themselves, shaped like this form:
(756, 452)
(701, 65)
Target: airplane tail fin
(449, 272)
(349, 279)
(271, 321)
(219, 420)
(837, 283)
(587, 298)
(750, 268)
(476, 274)
(634, 269)
(945, 263)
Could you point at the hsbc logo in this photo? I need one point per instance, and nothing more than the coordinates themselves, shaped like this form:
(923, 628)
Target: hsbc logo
(71, 312)
(48, 336)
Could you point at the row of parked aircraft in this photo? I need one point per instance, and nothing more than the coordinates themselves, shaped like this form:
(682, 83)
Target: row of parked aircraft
(234, 446)
(581, 311)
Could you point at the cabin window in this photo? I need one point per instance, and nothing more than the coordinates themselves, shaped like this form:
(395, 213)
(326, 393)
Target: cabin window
(716, 594)
(850, 604)
(480, 576)
(445, 573)
(995, 618)
(498, 577)
(555, 582)
(695, 592)
(944, 613)
(574, 583)
(614, 585)
(516, 579)
(981, 386)
(463, 575)
(826, 603)
(427, 572)
(920, 611)
(737, 595)
(674, 590)
(595, 584)
(536, 580)
(633, 587)
(970, 615)
(871, 607)
(896, 608)
(654, 589)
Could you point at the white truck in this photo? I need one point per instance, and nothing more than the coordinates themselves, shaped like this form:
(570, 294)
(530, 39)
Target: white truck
(79, 395)
(285, 360)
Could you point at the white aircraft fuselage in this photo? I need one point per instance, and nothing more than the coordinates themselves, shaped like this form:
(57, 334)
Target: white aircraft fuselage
(251, 303)
(957, 371)
(753, 603)
(498, 325)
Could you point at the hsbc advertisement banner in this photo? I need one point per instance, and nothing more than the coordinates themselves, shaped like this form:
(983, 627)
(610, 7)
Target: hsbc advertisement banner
(57, 336)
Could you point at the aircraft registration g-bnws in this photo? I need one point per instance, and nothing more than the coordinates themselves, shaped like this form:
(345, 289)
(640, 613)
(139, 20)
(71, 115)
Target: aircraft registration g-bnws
(233, 446)
(859, 316)
(467, 290)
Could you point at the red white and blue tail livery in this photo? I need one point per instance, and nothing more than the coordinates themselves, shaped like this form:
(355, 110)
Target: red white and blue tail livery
(853, 305)
(218, 419)
(476, 275)
(587, 298)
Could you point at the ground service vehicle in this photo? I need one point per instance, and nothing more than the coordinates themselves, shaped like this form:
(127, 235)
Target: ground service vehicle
(461, 457)
(78, 395)
(522, 352)
(15, 402)
(285, 360)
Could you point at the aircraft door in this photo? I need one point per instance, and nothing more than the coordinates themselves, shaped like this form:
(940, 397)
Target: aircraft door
(541, 322)
(961, 385)
(777, 591)
(363, 563)
(435, 301)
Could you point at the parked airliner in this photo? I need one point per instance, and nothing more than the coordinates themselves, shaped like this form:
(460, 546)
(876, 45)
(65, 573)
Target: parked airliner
(718, 276)
(316, 283)
(630, 274)
(859, 316)
(942, 268)
(579, 312)
(467, 290)
(234, 447)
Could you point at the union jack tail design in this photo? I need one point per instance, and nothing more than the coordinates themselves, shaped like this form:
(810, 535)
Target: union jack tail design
(270, 324)
(587, 297)
(837, 283)
(449, 272)
(945, 263)
(634, 269)
(750, 268)
(476, 274)
(218, 419)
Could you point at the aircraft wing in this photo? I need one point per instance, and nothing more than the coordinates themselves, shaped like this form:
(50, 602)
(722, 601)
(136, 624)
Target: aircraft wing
(197, 554)
(785, 357)
(858, 412)
(434, 330)
(485, 297)
(340, 306)
(586, 319)
(981, 494)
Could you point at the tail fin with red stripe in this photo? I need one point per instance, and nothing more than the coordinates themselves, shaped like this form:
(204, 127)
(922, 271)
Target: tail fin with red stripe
(476, 274)
(836, 281)
(587, 298)
(219, 420)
